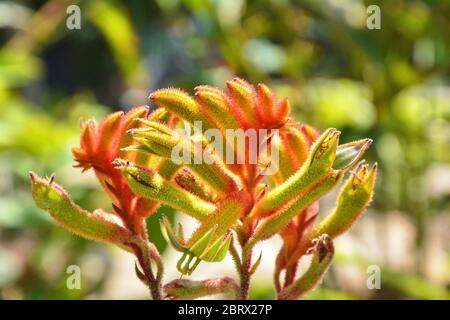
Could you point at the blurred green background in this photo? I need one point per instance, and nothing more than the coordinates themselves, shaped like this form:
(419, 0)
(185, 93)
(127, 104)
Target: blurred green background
(392, 85)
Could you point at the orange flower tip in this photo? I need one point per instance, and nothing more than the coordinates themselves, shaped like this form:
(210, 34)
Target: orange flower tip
(203, 93)
(310, 133)
(242, 82)
(266, 91)
(284, 108)
(237, 82)
(154, 95)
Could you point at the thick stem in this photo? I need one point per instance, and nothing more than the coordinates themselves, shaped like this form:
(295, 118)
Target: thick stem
(155, 291)
(289, 278)
(188, 289)
(245, 285)
(276, 275)
(153, 283)
(145, 253)
(245, 271)
(236, 259)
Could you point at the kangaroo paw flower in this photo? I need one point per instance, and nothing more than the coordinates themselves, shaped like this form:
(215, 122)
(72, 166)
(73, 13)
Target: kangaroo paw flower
(317, 165)
(159, 140)
(181, 104)
(354, 197)
(241, 167)
(54, 199)
(271, 225)
(150, 185)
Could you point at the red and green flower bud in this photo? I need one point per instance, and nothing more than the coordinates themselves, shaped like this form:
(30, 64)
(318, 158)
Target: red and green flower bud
(215, 103)
(54, 199)
(282, 112)
(266, 100)
(317, 165)
(164, 142)
(182, 105)
(274, 223)
(242, 94)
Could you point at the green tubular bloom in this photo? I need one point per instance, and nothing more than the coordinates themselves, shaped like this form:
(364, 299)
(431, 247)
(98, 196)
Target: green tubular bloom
(99, 225)
(149, 184)
(214, 103)
(317, 165)
(181, 104)
(354, 197)
(270, 225)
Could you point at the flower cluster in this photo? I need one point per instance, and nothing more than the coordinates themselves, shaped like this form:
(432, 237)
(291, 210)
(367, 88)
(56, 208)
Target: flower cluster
(237, 203)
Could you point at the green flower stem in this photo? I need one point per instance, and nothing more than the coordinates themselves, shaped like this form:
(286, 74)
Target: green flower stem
(323, 252)
(188, 289)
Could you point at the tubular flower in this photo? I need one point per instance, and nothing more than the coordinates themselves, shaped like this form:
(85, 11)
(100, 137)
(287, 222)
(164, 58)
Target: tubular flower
(100, 145)
(237, 162)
